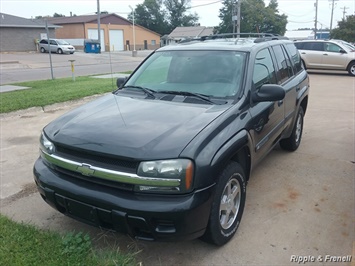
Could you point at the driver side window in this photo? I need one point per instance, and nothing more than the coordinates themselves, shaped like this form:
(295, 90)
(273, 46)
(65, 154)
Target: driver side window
(331, 47)
(264, 71)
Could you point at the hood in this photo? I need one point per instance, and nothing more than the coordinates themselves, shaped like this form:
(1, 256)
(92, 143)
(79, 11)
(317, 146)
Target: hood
(133, 128)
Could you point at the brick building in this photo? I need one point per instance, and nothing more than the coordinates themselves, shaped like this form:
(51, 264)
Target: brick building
(20, 34)
(116, 32)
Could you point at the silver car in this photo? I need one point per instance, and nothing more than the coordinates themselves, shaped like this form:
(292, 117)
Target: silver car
(327, 55)
(56, 46)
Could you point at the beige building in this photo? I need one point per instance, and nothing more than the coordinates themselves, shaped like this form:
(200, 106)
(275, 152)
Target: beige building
(116, 32)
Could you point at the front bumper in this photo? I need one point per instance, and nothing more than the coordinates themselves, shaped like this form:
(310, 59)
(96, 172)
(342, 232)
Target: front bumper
(144, 216)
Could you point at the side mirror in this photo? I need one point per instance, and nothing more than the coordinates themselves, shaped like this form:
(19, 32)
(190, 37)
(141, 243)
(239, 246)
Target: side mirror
(342, 51)
(120, 82)
(269, 93)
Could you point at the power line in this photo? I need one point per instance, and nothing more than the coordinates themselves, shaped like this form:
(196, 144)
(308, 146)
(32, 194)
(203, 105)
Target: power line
(212, 3)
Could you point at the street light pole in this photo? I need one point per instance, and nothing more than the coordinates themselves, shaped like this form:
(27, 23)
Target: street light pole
(134, 52)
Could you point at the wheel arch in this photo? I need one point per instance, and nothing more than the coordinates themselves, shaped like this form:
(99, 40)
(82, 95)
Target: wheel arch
(350, 64)
(236, 149)
(304, 104)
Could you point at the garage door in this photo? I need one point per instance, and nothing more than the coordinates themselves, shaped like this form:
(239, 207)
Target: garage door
(116, 40)
(92, 34)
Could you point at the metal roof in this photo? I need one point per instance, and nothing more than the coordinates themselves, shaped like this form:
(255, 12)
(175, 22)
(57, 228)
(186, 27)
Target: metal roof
(191, 32)
(10, 21)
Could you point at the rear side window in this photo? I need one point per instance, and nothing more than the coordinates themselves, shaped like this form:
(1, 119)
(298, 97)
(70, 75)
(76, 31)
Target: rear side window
(314, 46)
(264, 71)
(295, 57)
(44, 42)
(283, 63)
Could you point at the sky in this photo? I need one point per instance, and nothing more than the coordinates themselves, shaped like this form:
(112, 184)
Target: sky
(301, 13)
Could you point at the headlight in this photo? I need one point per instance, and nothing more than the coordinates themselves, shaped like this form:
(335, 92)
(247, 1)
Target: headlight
(181, 169)
(45, 145)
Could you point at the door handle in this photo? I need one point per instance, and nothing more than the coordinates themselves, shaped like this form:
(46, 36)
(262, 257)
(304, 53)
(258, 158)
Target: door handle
(279, 103)
(303, 53)
(325, 54)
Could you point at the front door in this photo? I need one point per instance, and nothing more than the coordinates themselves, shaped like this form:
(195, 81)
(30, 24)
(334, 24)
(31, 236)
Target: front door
(268, 117)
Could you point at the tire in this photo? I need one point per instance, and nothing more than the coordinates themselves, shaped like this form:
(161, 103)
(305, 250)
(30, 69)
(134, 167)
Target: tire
(227, 206)
(351, 69)
(60, 51)
(43, 50)
(293, 142)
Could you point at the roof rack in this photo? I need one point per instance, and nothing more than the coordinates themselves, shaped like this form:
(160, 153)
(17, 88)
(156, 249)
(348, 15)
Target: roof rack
(260, 37)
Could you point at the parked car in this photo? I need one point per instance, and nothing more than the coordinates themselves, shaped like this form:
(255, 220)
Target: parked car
(327, 55)
(168, 154)
(56, 46)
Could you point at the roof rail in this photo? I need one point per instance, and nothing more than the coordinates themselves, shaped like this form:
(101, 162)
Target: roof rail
(261, 37)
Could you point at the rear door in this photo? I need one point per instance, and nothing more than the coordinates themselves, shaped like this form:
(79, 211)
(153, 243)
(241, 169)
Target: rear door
(285, 78)
(312, 54)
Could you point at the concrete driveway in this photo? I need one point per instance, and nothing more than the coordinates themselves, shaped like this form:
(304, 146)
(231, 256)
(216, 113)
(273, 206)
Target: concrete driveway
(300, 206)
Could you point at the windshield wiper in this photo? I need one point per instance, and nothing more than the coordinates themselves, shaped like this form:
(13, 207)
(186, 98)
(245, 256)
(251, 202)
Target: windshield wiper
(204, 97)
(148, 91)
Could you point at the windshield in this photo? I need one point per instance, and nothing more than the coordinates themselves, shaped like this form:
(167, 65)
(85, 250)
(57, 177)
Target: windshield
(211, 73)
(62, 42)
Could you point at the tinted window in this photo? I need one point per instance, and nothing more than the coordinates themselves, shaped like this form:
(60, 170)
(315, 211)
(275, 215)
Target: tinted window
(52, 42)
(283, 64)
(44, 41)
(264, 71)
(295, 57)
(315, 46)
(299, 45)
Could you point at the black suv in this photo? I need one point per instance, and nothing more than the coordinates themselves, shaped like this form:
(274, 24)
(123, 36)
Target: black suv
(169, 153)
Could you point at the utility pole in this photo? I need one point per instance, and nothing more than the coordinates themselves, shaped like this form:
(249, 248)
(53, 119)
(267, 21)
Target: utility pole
(316, 20)
(98, 23)
(331, 17)
(234, 16)
(344, 12)
(238, 17)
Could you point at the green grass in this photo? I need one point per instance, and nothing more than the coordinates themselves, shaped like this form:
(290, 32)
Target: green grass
(46, 92)
(25, 245)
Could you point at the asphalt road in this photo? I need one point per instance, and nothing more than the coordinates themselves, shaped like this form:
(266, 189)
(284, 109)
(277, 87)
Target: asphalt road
(299, 205)
(18, 67)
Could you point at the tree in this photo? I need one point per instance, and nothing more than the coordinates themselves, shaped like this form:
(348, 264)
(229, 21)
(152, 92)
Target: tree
(255, 17)
(177, 17)
(162, 16)
(225, 14)
(345, 30)
(151, 15)
(56, 15)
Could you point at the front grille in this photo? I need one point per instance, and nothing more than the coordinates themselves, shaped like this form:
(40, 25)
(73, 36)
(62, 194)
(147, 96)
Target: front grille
(99, 160)
(104, 182)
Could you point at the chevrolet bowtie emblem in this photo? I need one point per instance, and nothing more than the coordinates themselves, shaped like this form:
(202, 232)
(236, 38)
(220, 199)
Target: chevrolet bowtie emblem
(85, 169)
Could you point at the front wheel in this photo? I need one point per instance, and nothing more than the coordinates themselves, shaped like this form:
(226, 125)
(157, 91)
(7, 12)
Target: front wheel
(351, 69)
(293, 142)
(228, 205)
